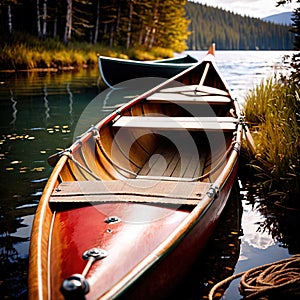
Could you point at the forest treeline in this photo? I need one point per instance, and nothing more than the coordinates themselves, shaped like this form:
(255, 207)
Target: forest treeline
(125, 23)
(234, 32)
(172, 24)
(69, 33)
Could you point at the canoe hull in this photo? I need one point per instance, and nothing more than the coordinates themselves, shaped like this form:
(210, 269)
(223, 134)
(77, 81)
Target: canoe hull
(147, 185)
(163, 277)
(114, 71)
(73, 233)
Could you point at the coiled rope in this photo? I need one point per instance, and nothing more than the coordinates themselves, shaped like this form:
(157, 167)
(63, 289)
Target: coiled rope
(278, 279)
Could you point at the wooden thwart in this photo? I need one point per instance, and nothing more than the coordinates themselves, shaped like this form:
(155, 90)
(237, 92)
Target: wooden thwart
(205, 90)
(131, 190)
(175, 123)
(192, 94)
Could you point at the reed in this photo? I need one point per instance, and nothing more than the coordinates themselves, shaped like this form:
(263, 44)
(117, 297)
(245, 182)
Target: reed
(273, 109)
(22, 51)
(21, 56)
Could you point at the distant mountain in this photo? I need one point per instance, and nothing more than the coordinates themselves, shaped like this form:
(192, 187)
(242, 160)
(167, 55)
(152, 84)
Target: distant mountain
(283, 18)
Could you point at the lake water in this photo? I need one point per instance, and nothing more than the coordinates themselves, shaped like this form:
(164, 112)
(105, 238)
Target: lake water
(39, 115)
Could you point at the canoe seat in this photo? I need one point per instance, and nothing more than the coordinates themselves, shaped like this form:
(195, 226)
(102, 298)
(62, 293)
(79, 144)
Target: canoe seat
(178, 123)
(130, 190)
(191, 94)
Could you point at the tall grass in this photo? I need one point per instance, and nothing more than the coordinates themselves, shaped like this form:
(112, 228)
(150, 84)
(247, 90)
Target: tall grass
(273, 107)
(21, 56)
(22, 51)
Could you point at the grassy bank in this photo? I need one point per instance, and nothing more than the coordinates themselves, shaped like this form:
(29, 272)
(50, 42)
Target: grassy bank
(273, 109)
(26, 52)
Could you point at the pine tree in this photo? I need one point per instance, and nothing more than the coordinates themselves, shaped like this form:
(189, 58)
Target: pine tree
(172, 31)
(296, 28)
(68, 27)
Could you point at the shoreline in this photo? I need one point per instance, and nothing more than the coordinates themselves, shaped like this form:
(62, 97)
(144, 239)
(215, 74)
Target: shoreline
(50, 69)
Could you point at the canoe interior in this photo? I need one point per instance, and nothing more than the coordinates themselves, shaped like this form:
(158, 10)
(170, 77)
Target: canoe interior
(119, 153)
(178, 60)
(125, 153)
(114, 71)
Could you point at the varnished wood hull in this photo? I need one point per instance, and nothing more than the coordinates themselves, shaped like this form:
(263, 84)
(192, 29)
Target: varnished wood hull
(160, 280)
(147, 185)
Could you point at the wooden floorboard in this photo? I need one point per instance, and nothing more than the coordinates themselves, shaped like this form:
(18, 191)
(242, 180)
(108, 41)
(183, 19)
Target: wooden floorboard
(172, 164)
(166, 161)
(192, 166)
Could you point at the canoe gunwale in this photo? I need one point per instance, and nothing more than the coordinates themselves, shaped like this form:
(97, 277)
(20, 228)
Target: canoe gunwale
(40, 237)
(169, 62)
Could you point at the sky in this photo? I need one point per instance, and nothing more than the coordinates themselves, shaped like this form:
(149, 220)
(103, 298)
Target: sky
(252, 8)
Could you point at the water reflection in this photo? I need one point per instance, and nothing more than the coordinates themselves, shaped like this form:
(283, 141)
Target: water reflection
(280, 224)
(14, 236)
(14, 109)
(272, 224)
(37, 113)
(252, 221)
(70, 103)
(46, 103)
(261, 242)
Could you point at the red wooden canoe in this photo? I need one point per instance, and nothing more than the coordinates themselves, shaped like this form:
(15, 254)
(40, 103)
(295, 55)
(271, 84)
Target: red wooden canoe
(131, 204)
